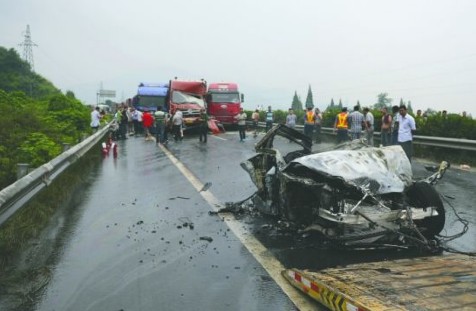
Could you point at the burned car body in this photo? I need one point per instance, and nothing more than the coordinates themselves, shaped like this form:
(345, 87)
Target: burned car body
(352, 193)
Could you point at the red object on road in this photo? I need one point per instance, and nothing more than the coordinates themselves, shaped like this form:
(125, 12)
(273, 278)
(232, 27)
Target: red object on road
(212, 125)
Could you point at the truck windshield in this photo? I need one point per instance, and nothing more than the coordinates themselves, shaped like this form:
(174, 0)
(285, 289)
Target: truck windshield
(225, 98)
(149, 102)
(182, 98)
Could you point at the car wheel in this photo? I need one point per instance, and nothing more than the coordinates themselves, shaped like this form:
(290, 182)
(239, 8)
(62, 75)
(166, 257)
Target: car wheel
(421, 195)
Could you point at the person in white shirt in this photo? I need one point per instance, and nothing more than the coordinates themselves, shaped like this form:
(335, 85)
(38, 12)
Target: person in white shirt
(406, 129)
(369, 126)
(177, 121)
(95, 119)
(241, 117)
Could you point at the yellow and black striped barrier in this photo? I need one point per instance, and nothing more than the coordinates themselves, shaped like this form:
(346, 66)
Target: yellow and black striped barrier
(415, 284)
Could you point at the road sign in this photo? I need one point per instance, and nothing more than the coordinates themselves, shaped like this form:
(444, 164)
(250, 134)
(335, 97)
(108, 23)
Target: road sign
(106, 93)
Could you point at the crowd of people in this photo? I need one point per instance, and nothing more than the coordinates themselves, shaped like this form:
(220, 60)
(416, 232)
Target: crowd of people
(397, 128)
(128, 121)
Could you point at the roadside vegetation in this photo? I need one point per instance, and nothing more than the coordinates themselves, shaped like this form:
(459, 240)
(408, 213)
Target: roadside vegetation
(37, 119)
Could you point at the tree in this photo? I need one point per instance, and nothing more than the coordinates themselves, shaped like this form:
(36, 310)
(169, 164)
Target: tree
(309, 100)
(430, 112)
(16, 75)
(296, 104)
(70, 94)
(383, 101)
(409, 107)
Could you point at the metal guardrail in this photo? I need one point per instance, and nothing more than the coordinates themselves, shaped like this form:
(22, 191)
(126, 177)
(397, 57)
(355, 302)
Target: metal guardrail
(13, 197)
(442, 142)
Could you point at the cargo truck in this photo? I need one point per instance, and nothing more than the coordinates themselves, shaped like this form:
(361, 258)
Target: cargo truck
(150, 96)
(224, 102)
(187, 96)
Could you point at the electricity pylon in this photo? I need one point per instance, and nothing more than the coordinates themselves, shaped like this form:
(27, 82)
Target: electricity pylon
(28, 45)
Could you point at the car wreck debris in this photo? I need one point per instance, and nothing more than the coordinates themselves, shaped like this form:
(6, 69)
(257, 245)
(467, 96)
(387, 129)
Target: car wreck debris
(350, 194)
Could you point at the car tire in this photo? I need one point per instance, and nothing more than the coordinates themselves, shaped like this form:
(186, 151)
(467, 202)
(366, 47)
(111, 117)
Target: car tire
(421, 195)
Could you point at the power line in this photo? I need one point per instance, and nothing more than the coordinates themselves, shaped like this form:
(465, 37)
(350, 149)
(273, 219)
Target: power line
(28, 45)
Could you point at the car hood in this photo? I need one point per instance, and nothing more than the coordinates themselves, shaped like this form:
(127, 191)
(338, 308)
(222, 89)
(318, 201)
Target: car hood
(378, 170)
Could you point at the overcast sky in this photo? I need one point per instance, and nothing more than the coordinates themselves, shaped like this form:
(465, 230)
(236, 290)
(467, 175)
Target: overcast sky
(423, 51)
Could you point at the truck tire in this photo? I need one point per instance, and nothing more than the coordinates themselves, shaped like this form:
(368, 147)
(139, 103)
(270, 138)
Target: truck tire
(422, 194)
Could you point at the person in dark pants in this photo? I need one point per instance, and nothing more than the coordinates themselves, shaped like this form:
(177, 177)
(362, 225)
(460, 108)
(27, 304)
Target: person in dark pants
(342, 126)
(160, 125)
(406, 129)
(241, 117)
(309, 122)
(318, 125)
(394, 126)
(203, 129)
(124, 122)
(269, 119)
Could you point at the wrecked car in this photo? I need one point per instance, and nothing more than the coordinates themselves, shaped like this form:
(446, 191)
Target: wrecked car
(351, 193)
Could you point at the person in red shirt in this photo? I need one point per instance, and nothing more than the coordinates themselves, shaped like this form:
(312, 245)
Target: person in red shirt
(147, 121)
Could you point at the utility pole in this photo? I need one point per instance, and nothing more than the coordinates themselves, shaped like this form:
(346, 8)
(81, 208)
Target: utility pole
(28, 45)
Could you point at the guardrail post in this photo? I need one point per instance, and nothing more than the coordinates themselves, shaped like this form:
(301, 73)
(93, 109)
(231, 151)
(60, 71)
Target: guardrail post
(66, 146)
(22, 169)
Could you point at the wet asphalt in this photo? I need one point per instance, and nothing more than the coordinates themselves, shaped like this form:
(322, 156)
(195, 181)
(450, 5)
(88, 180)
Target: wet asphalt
(142, 237)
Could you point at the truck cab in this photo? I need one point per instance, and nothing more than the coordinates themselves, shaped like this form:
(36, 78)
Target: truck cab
(150, 96)
(187, 96)
(224, 102)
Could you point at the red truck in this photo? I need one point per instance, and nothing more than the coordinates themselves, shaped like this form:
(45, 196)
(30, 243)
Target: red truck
(188, 97)
(224, 102)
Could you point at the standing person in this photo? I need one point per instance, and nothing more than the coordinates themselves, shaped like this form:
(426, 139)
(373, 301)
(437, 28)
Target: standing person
(203, 129)
(161, 118)
(130, 123)
(95, 119)
(241, 117)
(177, 121)
(124, 122)
(118, 120)
(394, 128)
(356, 119)
(291, 118)
(385, 134)
(255, 118)
(135, 120)
(406, 129)
(147, 122)
(269, 119)
(369, 126)
(318, 125)
(342, 126)
(309, 122)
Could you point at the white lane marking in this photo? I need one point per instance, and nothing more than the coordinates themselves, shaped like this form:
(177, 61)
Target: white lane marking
(218, 137)
(261, 254)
